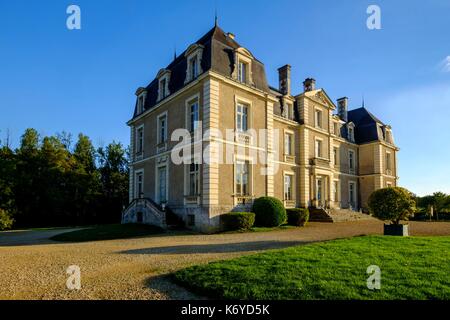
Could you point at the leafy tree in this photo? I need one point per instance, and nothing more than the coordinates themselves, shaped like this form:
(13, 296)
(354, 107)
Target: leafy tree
(392, 204)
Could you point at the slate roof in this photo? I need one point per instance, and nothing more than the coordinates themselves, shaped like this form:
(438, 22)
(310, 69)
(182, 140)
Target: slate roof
(366, 125)
(218, 55)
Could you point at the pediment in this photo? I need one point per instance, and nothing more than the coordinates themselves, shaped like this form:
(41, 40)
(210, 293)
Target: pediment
(321, 97)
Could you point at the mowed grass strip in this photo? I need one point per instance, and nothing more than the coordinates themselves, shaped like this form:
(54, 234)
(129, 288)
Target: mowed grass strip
(411, 268)
(108, 232)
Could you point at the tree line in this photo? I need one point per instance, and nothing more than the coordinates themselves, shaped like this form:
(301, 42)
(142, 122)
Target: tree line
(48, 182)
(435, 206)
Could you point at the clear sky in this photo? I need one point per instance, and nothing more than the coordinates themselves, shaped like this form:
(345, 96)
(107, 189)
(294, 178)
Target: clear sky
(55, 79)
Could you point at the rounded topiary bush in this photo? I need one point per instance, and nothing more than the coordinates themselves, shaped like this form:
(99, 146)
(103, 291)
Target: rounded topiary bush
(269, 212)
(238, 220)
(392, 204)
(297, 216)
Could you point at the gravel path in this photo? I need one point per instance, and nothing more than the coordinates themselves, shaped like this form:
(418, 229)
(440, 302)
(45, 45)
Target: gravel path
(137, 268)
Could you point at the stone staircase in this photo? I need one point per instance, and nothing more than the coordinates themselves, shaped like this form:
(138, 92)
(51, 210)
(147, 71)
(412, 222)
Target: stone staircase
(144, 210)
(336, 215)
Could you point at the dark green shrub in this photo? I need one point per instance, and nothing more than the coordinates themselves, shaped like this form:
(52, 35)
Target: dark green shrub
(297, 217)
(238, 220)
(6, 221)
(269, 211)
(392, 204)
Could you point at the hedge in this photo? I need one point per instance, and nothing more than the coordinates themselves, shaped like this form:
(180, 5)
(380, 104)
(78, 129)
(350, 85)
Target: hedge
(269, 211)
(238, 220)
(297, 217)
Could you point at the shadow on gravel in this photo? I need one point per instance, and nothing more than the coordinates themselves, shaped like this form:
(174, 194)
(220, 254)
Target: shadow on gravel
(166, 286)
(216, 248)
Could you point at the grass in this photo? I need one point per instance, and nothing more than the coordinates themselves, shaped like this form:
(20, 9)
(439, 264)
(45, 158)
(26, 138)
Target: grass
(108, 232)
(411, 268)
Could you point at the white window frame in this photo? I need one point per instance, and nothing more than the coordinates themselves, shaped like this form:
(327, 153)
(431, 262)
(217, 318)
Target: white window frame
(137, 173)
(316, 153)
(188, 103)
(243, 56)
(336, 156)
(163, 91)
(158, 127)
(291, 175)
(353, 162)
(318, 121)
(141, 102)
(197, 175)
(193, 53)
(246, 103)
(351, 132)
(290, 151)
(388, 161)
(157, 191)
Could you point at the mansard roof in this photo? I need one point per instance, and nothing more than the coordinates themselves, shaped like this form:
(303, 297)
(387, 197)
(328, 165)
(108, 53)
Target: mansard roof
(218, 55)
(366, 125)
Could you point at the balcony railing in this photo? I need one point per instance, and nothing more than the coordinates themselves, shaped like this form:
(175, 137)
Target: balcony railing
(320, 162)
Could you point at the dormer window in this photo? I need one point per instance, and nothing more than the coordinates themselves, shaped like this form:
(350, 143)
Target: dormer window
(162, 88)
(194, 57)
(194, 68)
(289, 111)
(351, 132)
(243, 66)
(242, 72)
(163, 83)
(141, 94)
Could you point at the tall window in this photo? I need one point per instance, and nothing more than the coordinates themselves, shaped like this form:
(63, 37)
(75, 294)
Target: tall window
(139, 185)
(318, 118)
(288, 187)
(289, 112)
(162, 184)
(335, 156)
(194, 67)
(351, 134)
(318, 148)
(351, 160)
(242, 72)
(336, 190)
(141, 104)
(162, 88)
(162, 129)
(194, 116)
(288, 144)
(351, 193)
(242, 178)
(388, 161)
(241, 118)
(194, 179)
(140, 140)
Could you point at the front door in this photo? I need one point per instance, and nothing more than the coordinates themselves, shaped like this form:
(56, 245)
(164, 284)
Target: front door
(162, 184)
(319, 191)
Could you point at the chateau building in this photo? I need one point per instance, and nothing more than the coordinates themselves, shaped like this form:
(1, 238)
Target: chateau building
(308, 151)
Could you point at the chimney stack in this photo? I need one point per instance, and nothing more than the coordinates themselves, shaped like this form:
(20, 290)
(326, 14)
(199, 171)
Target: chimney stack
(284, 76)
(343, 108)
(230, 35)
(309, 84)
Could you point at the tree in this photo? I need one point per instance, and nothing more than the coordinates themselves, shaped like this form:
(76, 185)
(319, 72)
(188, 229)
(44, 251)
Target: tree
(392, 204)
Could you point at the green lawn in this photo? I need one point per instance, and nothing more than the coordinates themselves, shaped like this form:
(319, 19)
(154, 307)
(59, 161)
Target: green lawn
(411, 268)
(108, 232)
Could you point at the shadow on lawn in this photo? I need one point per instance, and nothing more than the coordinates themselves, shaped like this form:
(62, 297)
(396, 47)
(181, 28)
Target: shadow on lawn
(216, 248)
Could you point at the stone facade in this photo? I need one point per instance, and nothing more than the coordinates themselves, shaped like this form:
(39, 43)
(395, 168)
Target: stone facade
(335, 158)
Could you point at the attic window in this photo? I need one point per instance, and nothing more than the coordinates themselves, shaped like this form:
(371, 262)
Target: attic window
(163, 84)
(194, 58)
(242, 72)
(141, 102)
(351, 134)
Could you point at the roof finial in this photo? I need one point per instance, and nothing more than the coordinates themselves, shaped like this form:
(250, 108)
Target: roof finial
(174, 52)
(215, 15)
(363, 102)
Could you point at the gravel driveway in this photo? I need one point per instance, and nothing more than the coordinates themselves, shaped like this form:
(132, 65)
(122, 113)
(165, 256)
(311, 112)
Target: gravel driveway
(137, 268)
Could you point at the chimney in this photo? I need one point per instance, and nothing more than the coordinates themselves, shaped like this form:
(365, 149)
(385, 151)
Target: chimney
(230, 35)
(284, 76)
(309, 84)
(343, 108)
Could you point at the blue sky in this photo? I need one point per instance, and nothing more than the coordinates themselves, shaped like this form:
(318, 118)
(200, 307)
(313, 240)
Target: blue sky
(54, 79)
